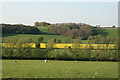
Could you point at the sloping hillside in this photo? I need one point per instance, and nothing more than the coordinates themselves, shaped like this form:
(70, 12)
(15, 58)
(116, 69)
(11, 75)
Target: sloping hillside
(48, 35)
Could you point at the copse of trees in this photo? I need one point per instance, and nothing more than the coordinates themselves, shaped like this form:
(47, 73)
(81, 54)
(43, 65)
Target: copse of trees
(19, 29)
(72, 30)
(41, 24)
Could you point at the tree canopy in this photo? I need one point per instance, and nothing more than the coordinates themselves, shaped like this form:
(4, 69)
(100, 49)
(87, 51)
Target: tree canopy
(19, 29)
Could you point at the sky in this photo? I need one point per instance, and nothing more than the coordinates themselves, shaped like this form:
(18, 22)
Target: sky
(93, 13)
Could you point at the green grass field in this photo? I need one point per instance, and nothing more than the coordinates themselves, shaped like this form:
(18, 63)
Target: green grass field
(47, 35)
(58, 69)
(112, 33)
(45, 30)
(34, 37)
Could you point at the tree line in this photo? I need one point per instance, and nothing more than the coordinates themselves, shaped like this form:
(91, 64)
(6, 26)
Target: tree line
(72, 30)
(19, 29)
(68, 53)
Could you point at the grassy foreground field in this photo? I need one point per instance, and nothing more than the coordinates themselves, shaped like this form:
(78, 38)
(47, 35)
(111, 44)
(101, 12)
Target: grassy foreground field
(58, 69)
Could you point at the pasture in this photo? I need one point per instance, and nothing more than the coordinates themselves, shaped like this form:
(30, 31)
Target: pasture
(112, 33)
(58, 69)
(48, 35)
(44, 32)
(34, 37)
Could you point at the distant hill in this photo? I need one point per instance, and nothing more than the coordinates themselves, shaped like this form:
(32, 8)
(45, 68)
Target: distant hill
(48, 35)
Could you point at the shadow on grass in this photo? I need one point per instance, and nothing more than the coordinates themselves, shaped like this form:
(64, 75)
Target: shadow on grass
(99, 31)
(41, 33)
(6, 35)
(46, 33)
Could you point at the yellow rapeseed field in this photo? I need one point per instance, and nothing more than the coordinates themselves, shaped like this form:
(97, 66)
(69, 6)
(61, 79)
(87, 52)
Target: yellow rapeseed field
(63, 45)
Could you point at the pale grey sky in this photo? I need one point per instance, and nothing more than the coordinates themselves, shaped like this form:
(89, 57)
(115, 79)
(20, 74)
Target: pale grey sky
(93, 13)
